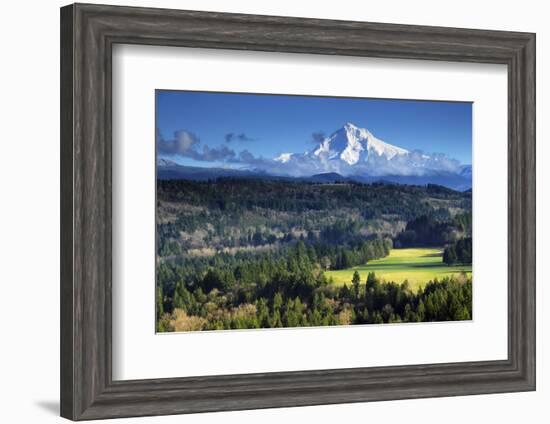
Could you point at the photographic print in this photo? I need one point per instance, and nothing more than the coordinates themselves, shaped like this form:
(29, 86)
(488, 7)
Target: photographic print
(277, 211)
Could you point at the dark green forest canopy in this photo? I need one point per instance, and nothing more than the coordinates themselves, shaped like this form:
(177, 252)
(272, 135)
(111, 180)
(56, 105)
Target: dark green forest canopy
(228, 213)
(375, 200)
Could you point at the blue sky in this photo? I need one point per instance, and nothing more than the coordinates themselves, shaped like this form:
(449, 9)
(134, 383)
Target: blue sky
(214, 126)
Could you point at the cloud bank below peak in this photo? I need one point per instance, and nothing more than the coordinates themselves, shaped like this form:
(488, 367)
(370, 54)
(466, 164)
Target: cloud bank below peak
(187, 145)
(348, 151)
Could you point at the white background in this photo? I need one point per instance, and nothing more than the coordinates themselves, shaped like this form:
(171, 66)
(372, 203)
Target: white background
(29, 167)
(139, 70)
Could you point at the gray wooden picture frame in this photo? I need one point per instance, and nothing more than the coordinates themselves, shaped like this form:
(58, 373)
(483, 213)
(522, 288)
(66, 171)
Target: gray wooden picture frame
(88, 33)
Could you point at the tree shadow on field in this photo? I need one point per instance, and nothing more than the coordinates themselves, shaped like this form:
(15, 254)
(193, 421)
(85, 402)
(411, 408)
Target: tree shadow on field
(404, 266)
(432, 255)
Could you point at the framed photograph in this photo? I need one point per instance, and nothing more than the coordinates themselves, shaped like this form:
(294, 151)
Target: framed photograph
(264, 211)
(310, 229)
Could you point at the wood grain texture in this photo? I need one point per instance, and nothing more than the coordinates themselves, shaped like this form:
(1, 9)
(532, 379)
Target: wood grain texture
(66, 215)
(88, 33)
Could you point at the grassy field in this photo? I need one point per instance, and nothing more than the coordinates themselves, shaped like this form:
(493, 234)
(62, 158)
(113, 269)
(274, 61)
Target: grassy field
(418, 266)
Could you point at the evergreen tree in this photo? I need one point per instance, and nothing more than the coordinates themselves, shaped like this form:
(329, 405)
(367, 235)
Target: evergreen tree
(371, 280)
(160, 303)
(356, 280)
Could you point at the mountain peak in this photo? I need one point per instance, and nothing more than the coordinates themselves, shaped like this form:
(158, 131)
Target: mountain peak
(350, 125)
(165, 162)
(352, 144)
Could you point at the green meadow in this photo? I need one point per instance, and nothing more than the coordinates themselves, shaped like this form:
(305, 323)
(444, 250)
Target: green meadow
(416, 265)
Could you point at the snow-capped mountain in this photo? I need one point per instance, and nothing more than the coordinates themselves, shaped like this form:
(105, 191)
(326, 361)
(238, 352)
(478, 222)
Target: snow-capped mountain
(352, 145)
(355, 151)
(165, 162)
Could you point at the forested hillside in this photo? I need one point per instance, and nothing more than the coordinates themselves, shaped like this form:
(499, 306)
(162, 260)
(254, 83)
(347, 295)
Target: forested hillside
(252, 253)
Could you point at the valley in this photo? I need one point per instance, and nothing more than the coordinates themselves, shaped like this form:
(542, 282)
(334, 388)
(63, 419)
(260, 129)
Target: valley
(266, 253)
(417, 266)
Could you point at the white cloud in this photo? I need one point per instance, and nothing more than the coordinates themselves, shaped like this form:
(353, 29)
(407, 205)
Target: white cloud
(185, 144)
